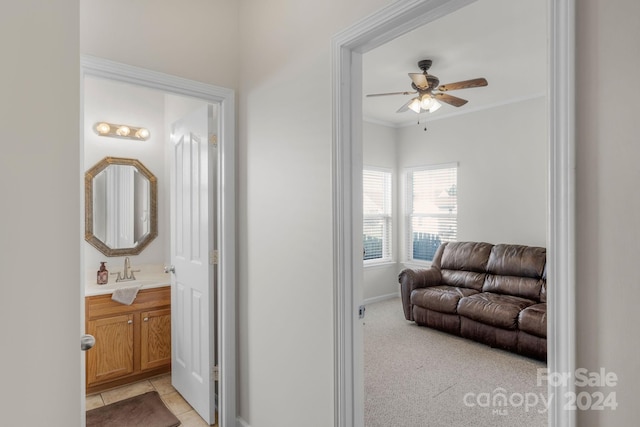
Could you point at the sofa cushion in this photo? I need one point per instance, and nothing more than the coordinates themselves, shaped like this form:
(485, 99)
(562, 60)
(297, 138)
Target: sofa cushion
(443, 299)
(465, 256)
(463, 279)
(533, 320)
(492, 309)
(523, 287)
(517, 260)
(464, 264)
(516, 270)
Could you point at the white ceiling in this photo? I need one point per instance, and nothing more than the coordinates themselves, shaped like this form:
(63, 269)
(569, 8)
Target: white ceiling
(504, 41)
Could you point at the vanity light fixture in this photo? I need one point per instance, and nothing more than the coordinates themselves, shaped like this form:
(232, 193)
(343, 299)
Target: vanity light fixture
(121, 131)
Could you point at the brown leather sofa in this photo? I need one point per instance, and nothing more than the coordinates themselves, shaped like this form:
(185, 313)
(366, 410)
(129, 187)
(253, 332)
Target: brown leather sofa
(494, 294)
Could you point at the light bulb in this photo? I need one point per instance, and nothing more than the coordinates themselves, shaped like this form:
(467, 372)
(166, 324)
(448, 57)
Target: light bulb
(426, 102)
(142, 133)
(103, 128)
(123, 131)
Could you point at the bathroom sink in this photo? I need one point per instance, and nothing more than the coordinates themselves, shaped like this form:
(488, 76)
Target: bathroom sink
(135, 283)
(129, 283)
(93, 289)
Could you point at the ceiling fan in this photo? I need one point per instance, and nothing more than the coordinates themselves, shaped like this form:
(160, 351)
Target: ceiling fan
(430, 92)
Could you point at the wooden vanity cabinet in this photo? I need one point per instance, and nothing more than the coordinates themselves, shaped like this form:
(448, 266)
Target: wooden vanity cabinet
(155, 339)
(133, 342)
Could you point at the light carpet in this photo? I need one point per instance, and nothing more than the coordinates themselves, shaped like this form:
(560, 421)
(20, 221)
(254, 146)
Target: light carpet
(419, 377)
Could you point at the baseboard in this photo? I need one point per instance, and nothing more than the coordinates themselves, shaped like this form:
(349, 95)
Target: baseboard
(381, 298)
(241, 423)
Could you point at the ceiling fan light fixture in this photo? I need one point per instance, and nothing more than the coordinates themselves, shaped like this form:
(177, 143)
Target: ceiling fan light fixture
(415, 105)
(434, 105)
(426, 101)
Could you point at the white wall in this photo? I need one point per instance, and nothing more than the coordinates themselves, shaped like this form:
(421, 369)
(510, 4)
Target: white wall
(379, 150)
(502, 169)
(194, 39)
(119, 103)
(40, 234)
(608, 201)
(286, 280)
(286, 363)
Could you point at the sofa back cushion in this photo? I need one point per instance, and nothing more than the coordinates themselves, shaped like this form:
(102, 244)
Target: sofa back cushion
(464, 264)
(516, 270)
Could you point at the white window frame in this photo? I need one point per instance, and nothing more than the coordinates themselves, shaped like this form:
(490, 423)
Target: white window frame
(409, 215)
(385, 217)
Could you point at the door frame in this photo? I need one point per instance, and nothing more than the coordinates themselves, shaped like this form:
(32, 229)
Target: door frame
(226, 293)
(347, 49)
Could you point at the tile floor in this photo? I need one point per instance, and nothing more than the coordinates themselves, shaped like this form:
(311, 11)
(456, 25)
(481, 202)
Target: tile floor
(162, 384)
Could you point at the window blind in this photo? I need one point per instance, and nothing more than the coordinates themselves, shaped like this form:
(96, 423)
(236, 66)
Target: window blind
(377, 215)
(432, 208)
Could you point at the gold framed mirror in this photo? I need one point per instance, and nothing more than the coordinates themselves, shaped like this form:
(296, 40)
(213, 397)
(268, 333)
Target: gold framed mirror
(121, 206)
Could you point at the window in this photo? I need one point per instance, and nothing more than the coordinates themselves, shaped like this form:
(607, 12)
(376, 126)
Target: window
(432, 210)
(377, 222)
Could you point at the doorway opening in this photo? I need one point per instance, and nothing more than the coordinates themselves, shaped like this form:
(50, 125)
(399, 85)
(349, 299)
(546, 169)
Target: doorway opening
(348, 48)
(179, 96)
(478, 173)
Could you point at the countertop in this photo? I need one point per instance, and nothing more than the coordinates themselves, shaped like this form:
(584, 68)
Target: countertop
(152, 278)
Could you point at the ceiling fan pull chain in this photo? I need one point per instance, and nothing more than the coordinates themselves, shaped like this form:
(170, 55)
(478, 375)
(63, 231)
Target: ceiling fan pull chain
(425, 126)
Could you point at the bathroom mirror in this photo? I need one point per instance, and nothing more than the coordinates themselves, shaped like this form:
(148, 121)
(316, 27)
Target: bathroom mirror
(121, 206)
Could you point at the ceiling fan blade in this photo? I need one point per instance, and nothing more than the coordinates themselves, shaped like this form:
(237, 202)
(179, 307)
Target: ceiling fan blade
(420, 80)
(450, 99)
(391, 93)
(466, 84)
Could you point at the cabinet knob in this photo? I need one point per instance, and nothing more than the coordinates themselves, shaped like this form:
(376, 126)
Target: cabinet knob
(129, 321)
(146, 319)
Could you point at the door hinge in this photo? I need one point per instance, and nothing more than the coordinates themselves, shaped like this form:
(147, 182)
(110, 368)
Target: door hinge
(214, 257)
(213, 139)
(215, 373)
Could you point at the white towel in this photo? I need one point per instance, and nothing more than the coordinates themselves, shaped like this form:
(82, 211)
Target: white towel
(126, 295)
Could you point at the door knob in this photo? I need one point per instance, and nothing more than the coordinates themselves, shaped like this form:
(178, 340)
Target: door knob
(87, 342)
(169, 269)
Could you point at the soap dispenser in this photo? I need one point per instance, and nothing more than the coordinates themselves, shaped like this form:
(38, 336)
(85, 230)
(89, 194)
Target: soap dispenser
(103, 274)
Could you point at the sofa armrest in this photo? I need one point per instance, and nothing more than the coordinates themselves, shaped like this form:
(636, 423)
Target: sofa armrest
(413, 279)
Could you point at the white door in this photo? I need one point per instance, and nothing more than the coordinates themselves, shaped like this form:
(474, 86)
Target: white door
(192, 244)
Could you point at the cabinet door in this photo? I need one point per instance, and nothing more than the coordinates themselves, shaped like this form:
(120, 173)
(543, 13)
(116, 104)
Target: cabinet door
(112, 356)
(155, 339)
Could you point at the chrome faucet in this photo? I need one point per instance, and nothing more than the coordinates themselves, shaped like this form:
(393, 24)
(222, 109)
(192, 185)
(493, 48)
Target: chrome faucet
(128, 273)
